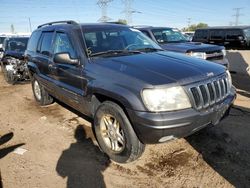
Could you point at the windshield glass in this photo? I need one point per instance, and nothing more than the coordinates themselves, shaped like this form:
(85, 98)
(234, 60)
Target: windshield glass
(17, 44)
(247, 32)
(168, 35)
(113, 39)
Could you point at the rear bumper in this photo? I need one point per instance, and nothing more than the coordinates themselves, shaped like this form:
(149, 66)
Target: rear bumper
(160, 127)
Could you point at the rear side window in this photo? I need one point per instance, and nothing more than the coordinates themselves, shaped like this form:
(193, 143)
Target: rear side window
(234, 34)
(217, 34)
(45, 43)
(33, 41)
(201, 34)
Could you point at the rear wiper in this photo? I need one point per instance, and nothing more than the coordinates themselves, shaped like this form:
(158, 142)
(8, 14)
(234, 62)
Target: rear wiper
(150, 49)
(115, 52)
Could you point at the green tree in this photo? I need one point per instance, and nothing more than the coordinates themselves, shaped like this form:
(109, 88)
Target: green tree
(193, 27)
(122, 21)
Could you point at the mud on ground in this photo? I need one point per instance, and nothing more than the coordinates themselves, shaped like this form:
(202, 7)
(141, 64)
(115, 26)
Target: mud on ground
(61, 151)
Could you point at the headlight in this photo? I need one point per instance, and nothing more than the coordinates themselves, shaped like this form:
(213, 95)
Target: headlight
(167, 99)
(224, 52)
(201, 55)
(229, 79)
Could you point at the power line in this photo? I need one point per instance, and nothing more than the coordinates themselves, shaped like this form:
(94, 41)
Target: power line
(103, 4)
(129, 11)
(237, 15)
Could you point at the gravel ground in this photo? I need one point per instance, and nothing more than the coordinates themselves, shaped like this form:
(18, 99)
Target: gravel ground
(62, 152)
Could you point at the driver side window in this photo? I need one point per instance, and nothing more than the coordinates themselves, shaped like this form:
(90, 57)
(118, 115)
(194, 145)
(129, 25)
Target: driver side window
(63, 45)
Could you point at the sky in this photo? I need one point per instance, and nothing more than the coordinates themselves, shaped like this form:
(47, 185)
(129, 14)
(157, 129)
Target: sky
(170, 13)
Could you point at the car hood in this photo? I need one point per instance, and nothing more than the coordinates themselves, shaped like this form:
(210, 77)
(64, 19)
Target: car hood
(184, 47)
(158, 68)
(15, 54)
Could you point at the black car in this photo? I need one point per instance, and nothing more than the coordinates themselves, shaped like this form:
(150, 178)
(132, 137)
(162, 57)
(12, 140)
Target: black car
(172, 40)
(231, 36)
(13, 64)
(136, 92)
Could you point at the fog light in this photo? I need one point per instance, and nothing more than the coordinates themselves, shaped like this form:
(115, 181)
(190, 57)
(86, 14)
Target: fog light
(166, 138)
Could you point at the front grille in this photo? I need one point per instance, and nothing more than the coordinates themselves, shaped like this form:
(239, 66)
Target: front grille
(214, 55)
(208, 93)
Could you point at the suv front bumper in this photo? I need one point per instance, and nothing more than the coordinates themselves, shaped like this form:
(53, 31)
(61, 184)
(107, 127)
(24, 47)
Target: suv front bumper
(160, 127)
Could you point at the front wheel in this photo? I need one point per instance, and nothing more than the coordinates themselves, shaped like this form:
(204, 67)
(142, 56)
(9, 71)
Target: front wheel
(115, 134)
(40, 94)
(9, 77)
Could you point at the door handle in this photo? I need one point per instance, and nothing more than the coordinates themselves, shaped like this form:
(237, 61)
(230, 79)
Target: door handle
(51, 66)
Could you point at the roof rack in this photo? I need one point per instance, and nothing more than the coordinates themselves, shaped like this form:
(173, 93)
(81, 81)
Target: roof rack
(58, 22)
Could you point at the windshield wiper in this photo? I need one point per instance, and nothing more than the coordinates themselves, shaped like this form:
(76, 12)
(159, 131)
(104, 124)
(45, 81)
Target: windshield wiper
(115, 52)
(150, 49)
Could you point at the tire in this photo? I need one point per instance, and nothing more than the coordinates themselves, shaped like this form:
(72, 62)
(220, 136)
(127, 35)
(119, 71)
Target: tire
(40, 94)
(127, 149)
(8, 76)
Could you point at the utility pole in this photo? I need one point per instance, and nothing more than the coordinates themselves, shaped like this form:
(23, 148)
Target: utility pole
(30, 25)
(103, 4)
(12, 29)
(189, 23)
(128, 10)
(237, 15)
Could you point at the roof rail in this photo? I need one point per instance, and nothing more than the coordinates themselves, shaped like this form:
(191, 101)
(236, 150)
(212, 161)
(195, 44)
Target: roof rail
(141, 26)
(58, 22)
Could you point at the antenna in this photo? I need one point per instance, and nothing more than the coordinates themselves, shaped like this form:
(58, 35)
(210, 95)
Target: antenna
(103, 4)
(237, 15)
(128, 10)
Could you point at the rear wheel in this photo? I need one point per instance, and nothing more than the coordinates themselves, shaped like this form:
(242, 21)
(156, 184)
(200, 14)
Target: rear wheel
(40, 94)
(115, 134)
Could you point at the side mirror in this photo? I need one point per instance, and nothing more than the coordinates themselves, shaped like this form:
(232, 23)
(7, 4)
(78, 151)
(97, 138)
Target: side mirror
(1, 49)
(65, 58)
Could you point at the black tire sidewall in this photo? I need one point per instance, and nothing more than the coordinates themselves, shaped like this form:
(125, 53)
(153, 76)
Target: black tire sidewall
(46, 99)
(130, 137)
(33, 82)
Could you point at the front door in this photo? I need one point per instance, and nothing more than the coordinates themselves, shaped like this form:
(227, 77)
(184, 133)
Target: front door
(68, 77)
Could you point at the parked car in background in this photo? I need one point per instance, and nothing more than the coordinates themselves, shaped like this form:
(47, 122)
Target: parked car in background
(188, 34)
(172, 40)
(231, 36)
(1, 46)
(136, 92)
(13, 65)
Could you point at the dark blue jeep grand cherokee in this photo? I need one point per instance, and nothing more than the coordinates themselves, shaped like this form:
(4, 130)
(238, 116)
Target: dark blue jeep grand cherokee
(135, 92)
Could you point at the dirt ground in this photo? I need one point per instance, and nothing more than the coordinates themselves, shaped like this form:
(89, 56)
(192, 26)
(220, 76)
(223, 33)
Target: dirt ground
(61, 151)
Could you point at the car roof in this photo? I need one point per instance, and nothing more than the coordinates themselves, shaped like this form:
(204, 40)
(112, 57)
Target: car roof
(226, 27)
(151, 27)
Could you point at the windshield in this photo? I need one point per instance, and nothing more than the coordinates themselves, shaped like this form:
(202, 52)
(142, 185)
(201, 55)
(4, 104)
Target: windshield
(101, 41)
(247, 32)
(16, 44)
(168, 35)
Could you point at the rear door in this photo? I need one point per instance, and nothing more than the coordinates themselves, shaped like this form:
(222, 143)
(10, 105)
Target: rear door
(68, 77)
(43, 59)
